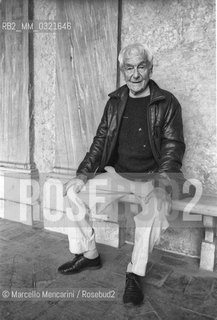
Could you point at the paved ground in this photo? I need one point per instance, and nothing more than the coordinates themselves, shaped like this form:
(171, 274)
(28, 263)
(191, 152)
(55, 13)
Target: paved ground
(174, 288)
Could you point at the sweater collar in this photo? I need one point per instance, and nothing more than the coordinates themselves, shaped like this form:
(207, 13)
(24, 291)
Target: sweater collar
(156, 94)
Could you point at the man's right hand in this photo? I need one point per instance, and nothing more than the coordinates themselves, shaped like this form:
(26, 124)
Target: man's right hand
(76, 183)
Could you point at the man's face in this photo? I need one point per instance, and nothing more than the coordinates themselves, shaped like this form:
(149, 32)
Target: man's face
(136, 70)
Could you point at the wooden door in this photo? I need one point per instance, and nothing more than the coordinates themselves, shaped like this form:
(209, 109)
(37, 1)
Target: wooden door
(14, 85)
(86, 72)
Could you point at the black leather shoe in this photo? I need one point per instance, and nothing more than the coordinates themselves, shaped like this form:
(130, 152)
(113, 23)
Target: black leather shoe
(133, 290)
(80, 263)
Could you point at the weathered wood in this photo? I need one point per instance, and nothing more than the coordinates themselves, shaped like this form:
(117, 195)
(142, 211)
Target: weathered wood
(14, 84)
(86, 73)
(17, 113)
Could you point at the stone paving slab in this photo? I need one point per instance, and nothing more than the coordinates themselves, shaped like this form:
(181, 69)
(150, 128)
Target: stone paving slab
(173, 310)
(23, 310)
(199, 287)
(174, 287)
(177, 282)
(138, 314)
(103, 310)
(165, 302)
(157, 275)
(214, 290)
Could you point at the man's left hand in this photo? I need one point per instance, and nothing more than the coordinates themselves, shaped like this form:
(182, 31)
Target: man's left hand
(162, 197)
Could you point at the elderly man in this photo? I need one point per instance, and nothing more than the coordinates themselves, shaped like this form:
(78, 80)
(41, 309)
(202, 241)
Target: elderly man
(138, 144)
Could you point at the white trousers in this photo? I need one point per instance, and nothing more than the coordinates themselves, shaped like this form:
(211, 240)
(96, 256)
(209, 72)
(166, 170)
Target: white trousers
(96, 195)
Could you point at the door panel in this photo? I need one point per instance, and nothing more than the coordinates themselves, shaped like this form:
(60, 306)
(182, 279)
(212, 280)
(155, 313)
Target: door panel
(86, 73)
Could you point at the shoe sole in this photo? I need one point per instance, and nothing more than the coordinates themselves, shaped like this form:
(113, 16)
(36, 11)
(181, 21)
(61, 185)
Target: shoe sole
(83, 269)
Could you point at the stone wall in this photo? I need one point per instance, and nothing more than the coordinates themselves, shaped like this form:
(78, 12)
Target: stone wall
(181, 35)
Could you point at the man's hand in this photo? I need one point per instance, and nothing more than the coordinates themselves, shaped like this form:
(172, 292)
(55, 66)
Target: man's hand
(162, 196)
(76, 183)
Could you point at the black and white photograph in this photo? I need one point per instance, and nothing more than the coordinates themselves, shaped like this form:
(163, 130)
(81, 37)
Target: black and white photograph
(108, 160)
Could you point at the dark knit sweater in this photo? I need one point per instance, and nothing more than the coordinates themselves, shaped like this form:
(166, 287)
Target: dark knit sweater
(134, 154)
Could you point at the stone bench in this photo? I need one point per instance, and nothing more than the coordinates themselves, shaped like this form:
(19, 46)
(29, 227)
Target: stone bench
(111, 227)
(206, 206)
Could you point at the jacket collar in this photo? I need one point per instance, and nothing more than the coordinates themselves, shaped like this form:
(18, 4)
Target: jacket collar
(156, 93)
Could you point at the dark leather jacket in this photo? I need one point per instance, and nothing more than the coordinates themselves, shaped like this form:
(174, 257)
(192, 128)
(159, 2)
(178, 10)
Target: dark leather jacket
(164, 126)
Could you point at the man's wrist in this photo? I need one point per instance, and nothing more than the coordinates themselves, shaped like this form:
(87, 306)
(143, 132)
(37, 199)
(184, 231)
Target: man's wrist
(163, 181)
(82, 177)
